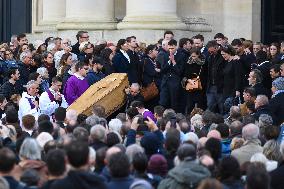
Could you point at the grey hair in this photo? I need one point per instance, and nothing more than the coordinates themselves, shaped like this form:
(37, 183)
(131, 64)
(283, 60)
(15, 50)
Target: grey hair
(30, 149)
(196, 121)
(250, 131)
(262, 99)
(24, 54)
(135, 85)
(30, 83)
(265, 120)
(115, 125)
(41, 70)
(98, 132)
(71, 115)
(282, 148)
(132, 150)
(92, 120)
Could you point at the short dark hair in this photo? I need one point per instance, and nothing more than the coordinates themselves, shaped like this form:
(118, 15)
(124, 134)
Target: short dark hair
(214, 146)
(99, 110)
(112, 139)
(12, 71)
(168, 32)
(132, 112)
(105, 53)
(119, 165)
(128, 39)
(140, 162)
(199, 36)
(28, 121)
(80, 33)
(212, 43)
(276, 68)
(74, 148)
(137, 104)
(219, 35)
(11, 115)
(159, 110)
(33, 76)
(237, 42)
(43, 117)
(250, 91)
(120, 43)
(172, 42)
(257, 176)
(224, 130)
(20, 36)
(229, 167)
(56, 79)
(172, 140)
(150, 48)
(261, 56)
(8, 160)
(60, 114)
(183, 41)
(45, 126)
(55, 161)
(228, 49)
(2, 98)
(80, 65)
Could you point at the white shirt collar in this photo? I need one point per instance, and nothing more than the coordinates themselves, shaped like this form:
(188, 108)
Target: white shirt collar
(125, 54)
(79, 76)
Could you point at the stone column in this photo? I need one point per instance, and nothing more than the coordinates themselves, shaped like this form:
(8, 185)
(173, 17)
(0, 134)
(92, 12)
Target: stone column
(88, 15)
(53, 11)
(152, 14)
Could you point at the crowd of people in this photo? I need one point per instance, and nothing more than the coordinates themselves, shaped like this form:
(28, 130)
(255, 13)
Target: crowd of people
(197, 115)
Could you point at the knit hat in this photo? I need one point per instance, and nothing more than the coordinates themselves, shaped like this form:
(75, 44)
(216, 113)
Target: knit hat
(158, 165)
(150, 142)
(43, 138)
(278, 83)
(38, 43)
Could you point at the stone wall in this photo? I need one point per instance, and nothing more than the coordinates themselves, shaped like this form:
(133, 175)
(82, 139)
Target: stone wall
(113, 19)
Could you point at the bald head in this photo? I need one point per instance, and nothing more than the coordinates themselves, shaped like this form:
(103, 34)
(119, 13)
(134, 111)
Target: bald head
(110, 152)
(250, 132)
(214, 134)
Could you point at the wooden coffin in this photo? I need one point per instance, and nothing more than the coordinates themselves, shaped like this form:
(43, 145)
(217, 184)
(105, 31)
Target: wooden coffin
(108, 92)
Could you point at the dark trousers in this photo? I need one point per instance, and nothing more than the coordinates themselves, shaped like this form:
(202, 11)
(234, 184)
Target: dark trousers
(170, 93)
(195, 99)
(214, 100)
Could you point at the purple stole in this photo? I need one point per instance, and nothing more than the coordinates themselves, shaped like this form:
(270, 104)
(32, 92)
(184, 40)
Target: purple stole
(31, 103)
(50, 95)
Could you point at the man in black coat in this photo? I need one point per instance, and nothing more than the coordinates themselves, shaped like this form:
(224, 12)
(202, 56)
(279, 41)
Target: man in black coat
(255, 81)
(12, 86)
(79, 176)
(214, 66)
(24, 66)
(171, 77)
(134, 60)
(276, 102)
(81, 37)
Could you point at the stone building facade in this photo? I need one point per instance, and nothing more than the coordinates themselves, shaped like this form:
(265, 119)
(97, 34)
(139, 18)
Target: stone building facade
(146, 19)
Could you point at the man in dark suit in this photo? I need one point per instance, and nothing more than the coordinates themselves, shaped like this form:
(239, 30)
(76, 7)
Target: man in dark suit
(134, 59)
(171, 76)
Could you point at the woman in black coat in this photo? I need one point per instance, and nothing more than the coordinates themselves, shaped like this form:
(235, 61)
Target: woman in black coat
(193, 68)
(150, 70)
(232, 76)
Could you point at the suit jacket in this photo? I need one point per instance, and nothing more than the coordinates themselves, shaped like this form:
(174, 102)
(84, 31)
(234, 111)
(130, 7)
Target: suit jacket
(133, 66)
(120, 63)
(232, 78)
(276, 105)
(149, 72)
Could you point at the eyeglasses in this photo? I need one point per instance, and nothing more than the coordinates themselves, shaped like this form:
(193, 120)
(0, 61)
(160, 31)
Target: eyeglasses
(85, 37)
(172, 48)
(29, 57)
(86, 68)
